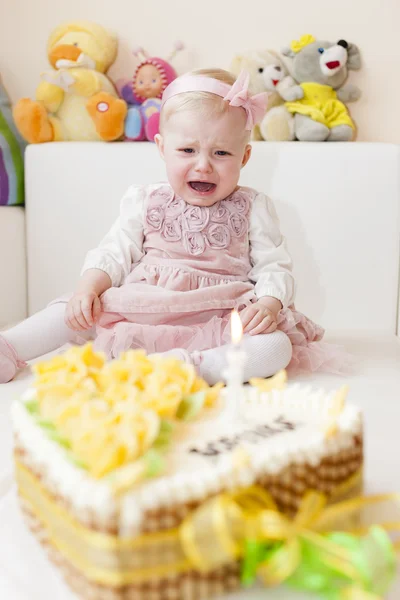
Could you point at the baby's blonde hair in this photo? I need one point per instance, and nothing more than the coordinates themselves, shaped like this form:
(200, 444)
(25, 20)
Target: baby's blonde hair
(207, 103)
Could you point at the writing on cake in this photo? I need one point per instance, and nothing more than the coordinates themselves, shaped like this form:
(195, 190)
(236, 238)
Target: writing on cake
(253, 435)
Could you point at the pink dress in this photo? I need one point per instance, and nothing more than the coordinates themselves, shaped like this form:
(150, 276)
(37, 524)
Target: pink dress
(194, 270)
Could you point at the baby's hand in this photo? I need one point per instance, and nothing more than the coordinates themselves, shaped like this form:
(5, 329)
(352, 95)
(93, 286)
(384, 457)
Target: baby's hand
(82, 311)
(261, 316)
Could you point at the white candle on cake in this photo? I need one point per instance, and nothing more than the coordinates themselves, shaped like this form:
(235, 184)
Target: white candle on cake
(236, 358)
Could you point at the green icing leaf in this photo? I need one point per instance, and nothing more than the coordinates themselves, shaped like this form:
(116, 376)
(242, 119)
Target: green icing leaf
(48, 425)
(190, 406)
(76, 461)
(32, 406)
(163, 439)
(52, 433)
(166, 426)
(154, 462)
(59, 439)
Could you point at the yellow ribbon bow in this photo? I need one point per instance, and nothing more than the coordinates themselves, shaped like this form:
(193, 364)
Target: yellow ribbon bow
(304, 41)
(216, 533)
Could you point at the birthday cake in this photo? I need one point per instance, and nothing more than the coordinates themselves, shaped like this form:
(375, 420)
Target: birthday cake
(115, 463)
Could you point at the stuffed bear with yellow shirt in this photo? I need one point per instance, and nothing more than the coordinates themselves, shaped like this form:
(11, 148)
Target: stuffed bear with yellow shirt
(318, 99)
(75, 100)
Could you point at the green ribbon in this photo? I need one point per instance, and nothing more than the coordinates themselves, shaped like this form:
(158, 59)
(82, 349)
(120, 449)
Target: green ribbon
(372, 556)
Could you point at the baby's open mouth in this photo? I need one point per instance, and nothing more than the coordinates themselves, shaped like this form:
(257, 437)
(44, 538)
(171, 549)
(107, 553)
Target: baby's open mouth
(203, 187)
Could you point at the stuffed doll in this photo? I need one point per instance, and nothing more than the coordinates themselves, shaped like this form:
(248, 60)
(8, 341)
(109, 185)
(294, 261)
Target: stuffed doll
(317, 98)
(143, 94)
(268, 73)
(76, 100)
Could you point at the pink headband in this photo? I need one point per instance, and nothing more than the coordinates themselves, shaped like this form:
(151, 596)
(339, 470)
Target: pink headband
(236, 95)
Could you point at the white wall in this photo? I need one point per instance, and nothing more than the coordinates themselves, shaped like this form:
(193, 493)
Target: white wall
(213, 31)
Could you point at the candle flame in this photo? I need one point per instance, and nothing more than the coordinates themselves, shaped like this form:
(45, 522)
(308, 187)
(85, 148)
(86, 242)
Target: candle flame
(236, 327)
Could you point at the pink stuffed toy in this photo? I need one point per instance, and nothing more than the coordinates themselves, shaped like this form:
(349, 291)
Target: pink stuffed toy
(143, 94)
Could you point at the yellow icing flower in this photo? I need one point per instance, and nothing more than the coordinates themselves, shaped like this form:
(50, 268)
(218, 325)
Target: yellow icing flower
(132, 368)
(102, 452)
(198, 385)
(212, 394)
(109, 413)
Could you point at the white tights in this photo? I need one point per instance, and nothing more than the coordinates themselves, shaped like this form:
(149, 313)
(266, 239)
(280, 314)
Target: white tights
(46, 331)
(266, 354)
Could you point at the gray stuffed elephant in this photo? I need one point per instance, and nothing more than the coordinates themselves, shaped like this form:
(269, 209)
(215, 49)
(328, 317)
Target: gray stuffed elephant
(321, 69)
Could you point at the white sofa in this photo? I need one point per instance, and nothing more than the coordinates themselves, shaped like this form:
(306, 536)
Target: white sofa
(339, 207)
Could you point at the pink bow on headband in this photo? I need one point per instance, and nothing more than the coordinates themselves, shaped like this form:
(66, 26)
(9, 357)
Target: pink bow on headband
(255, 106)
(237, 94)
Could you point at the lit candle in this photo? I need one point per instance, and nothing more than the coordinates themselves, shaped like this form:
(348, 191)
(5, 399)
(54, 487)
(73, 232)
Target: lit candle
(236, 328)
(233, 374)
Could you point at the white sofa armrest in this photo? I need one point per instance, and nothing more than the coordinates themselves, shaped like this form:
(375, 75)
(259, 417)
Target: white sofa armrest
(13, 286)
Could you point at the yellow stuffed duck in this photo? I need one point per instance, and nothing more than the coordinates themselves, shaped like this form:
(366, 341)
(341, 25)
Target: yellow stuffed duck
(76, 100)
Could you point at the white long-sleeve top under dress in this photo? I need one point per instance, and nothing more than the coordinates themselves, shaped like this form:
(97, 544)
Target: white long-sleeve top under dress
(178, 270)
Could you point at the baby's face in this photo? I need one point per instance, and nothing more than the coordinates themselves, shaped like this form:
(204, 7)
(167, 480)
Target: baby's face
(204, 156)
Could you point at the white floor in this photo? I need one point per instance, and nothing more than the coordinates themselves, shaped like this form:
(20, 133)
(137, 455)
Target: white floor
(25, 573)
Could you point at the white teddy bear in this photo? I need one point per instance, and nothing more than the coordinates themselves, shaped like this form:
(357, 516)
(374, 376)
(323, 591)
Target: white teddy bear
(269, 73)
